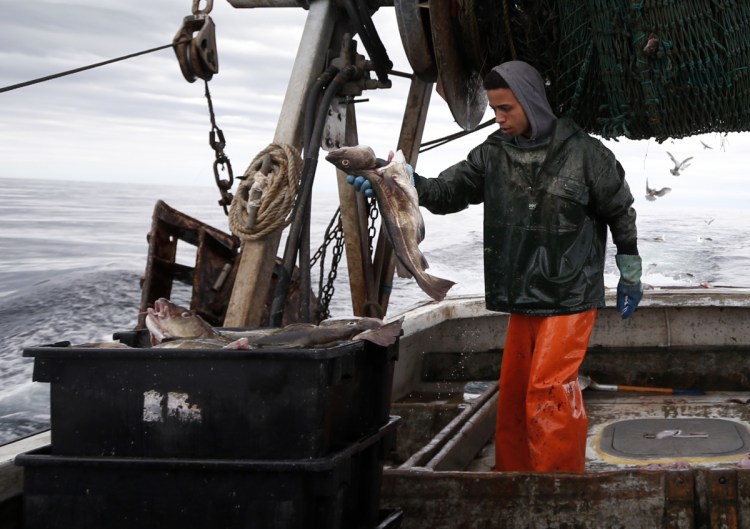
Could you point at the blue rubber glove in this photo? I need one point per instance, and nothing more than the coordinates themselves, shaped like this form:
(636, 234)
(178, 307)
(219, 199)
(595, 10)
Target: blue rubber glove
(361, 184)
(629, 289)
(410, 170)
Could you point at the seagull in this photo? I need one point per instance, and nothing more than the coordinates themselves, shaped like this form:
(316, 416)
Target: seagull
(708, 222)
(705, 146)
(679, 165)
(651, 194)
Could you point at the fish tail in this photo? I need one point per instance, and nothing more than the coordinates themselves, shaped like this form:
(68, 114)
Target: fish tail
(436, 287)
(384, 335)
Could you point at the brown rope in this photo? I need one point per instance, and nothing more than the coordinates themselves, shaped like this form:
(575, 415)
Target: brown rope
(279, 187)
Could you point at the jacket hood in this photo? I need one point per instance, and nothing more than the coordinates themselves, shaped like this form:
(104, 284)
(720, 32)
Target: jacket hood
(528, 87)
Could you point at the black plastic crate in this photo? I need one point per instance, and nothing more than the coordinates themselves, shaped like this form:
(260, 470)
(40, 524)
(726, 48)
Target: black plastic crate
(338, 491)
(246, 404)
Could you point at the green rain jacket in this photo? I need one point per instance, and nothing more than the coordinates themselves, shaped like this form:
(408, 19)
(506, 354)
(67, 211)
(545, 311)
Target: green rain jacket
(545, 224)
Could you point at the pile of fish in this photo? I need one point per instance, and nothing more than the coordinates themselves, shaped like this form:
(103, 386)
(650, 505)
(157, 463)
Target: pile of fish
(175, 327)
(399, 207)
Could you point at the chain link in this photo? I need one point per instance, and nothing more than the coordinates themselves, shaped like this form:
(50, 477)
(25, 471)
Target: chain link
(333, 235)
(217, 143)
(373, 213)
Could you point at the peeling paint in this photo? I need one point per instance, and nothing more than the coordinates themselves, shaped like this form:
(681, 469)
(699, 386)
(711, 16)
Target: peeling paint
(175, 406)
(152, 411)
(178, 407)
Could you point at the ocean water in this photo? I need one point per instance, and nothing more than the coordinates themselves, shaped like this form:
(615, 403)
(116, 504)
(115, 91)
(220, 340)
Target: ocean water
(72, 255)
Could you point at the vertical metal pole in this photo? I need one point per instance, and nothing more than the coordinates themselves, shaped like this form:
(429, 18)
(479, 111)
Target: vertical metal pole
(354, 220)
(247, 302)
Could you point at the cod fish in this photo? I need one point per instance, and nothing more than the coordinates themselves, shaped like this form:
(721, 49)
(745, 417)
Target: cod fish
(399, 206)
(175, 327)
(169, 321)
(331, 332)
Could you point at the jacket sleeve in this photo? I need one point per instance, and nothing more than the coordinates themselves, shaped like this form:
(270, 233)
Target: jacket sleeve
(454, 188)
(613, 202)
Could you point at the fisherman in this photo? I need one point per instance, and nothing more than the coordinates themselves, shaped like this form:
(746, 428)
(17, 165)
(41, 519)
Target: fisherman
(550, 191)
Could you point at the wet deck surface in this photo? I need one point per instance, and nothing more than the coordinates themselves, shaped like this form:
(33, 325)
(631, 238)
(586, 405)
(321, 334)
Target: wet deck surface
(608, 408)
(626, 430)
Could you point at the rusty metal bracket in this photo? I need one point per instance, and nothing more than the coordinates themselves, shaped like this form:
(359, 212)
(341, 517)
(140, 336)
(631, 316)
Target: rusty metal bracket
(679, 498)
(721, 498)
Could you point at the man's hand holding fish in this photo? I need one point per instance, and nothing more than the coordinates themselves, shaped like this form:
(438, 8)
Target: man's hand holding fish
(392, 185)
(363, 185)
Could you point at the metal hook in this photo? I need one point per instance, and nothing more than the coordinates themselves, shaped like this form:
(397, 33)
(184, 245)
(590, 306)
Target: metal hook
(207, 10)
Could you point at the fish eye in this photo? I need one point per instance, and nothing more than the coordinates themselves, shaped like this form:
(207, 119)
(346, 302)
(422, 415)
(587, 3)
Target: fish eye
(345, 163)
(186, 314)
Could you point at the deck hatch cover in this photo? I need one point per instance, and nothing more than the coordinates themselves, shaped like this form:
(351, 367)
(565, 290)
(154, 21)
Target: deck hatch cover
(658, 438)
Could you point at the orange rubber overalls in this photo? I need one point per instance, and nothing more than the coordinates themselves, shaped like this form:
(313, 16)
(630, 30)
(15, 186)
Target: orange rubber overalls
(541, 422)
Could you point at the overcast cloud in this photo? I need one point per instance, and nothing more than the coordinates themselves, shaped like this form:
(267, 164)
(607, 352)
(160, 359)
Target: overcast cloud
(140, 121)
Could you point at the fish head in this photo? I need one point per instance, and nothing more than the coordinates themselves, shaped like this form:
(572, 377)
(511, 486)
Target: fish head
(352, 159)
(169, 321)
(354, 325)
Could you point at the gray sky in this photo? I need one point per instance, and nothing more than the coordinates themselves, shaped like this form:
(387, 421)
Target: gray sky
(140, 121)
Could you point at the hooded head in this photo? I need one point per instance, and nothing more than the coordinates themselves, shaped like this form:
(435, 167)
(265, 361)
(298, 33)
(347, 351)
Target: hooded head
(527, 86)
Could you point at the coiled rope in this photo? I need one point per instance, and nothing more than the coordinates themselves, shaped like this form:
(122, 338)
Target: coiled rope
(279, 188)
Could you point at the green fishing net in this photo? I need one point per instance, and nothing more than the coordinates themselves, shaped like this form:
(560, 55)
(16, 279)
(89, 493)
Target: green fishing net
(635, 69)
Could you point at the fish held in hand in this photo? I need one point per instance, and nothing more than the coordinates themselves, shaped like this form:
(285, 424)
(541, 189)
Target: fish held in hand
(399, 206)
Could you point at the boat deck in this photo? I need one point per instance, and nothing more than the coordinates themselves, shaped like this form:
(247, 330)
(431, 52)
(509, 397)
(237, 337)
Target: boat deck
(455, 431)
(607, 410)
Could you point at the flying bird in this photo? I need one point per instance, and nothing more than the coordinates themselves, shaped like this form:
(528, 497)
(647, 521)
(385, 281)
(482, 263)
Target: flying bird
(705, 146)
(651, 194)
(679, 165)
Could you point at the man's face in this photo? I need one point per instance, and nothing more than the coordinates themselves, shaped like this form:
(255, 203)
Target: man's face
(509, 113)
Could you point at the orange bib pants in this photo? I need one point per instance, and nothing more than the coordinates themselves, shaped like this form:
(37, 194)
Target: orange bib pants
(541, 422)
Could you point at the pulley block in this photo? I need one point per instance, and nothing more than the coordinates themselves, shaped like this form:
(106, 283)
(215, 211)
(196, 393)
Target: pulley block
(195, 48)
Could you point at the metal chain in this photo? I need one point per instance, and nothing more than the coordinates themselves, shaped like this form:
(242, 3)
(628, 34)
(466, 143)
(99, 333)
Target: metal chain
(217, 143)
(325, 292)
(373, 214)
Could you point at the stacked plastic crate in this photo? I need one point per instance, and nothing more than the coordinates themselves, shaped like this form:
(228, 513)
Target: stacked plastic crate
(162, 438)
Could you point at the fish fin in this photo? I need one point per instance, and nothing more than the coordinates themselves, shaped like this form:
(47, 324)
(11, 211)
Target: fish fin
(402, 271)
(384, 335)
(420, 229)
(242, 343)
(436, 287)
(423, 262)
